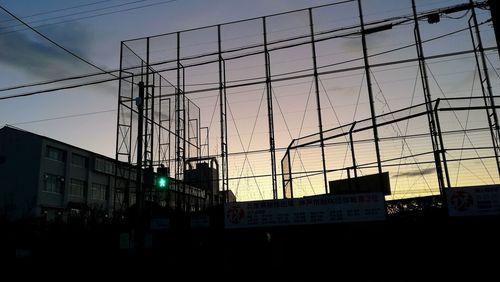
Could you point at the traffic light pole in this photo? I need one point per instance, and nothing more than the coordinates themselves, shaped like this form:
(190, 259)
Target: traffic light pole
(139, 232)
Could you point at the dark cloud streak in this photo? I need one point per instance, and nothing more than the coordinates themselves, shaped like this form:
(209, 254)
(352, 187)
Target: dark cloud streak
(35, 56)
(416, 172)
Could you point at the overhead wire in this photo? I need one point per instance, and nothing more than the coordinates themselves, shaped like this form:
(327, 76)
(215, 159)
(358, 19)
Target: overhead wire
(9, 88)
(57, 44)
(91, 16)
(64, 117)
(210, 89)
(58, 10)
(57, 89)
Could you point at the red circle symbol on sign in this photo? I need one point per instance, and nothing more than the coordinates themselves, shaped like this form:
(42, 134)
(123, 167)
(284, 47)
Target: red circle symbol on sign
(235, 214)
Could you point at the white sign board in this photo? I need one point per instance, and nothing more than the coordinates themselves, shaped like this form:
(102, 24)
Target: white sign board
(309, 210)
(473, 201)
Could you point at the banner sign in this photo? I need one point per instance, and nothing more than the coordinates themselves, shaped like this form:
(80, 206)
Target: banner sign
(309, 210)
(474, 200)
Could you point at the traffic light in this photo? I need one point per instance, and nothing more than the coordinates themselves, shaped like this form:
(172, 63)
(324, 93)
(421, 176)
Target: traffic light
(162, 181)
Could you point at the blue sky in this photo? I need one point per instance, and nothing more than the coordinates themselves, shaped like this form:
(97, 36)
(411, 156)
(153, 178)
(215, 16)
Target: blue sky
(86, 117)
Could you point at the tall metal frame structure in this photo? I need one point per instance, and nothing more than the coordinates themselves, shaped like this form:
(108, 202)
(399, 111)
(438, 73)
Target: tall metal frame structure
(318, 99)
(370, 92)
(144, 127)
(484, 79)
(180, 114)
(427, 96)
(432, 106)
(270, 112)
(223, 114)
(220, 56)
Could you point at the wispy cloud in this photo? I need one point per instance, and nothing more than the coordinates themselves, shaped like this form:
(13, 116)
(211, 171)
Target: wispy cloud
(26, 51)
(416, 172)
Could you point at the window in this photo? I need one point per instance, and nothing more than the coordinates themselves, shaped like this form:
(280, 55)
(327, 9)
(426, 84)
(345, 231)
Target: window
(78, 160)
(55, 154)
(98, 191)
(53, 184)
(118, 197)
(77, 188)
(104, 166)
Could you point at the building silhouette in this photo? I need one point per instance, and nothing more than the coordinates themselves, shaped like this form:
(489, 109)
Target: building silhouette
(43, 177)
(40, 176)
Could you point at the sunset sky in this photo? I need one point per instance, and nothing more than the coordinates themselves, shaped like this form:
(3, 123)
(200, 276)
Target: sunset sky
(86, 116)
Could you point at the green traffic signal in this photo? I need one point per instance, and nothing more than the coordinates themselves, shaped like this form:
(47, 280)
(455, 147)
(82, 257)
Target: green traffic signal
(162, 182)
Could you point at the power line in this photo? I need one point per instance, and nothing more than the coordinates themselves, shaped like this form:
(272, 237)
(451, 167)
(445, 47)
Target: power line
(57, 89)
(57, 44)
(55, 81)
(246, 20)
(402, 19)
(58, 10)
(64, 117)
(93, 16)
(248, 79)
(208, 89)
(212, 89)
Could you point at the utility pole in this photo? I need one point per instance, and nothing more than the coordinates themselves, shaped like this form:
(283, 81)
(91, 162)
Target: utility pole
(495, 16)
(318, 99)
(373, 113)
(139, 232)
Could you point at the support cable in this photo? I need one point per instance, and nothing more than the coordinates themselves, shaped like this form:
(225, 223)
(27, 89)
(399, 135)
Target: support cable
(302, 124)
(458, 120)
(338, 121)
(492, 66)
(213, 113)
(291, 137)
(466, 124)
(398, 131)
(406, 128)
(251, 137)
(354, 117)
(243, 147)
